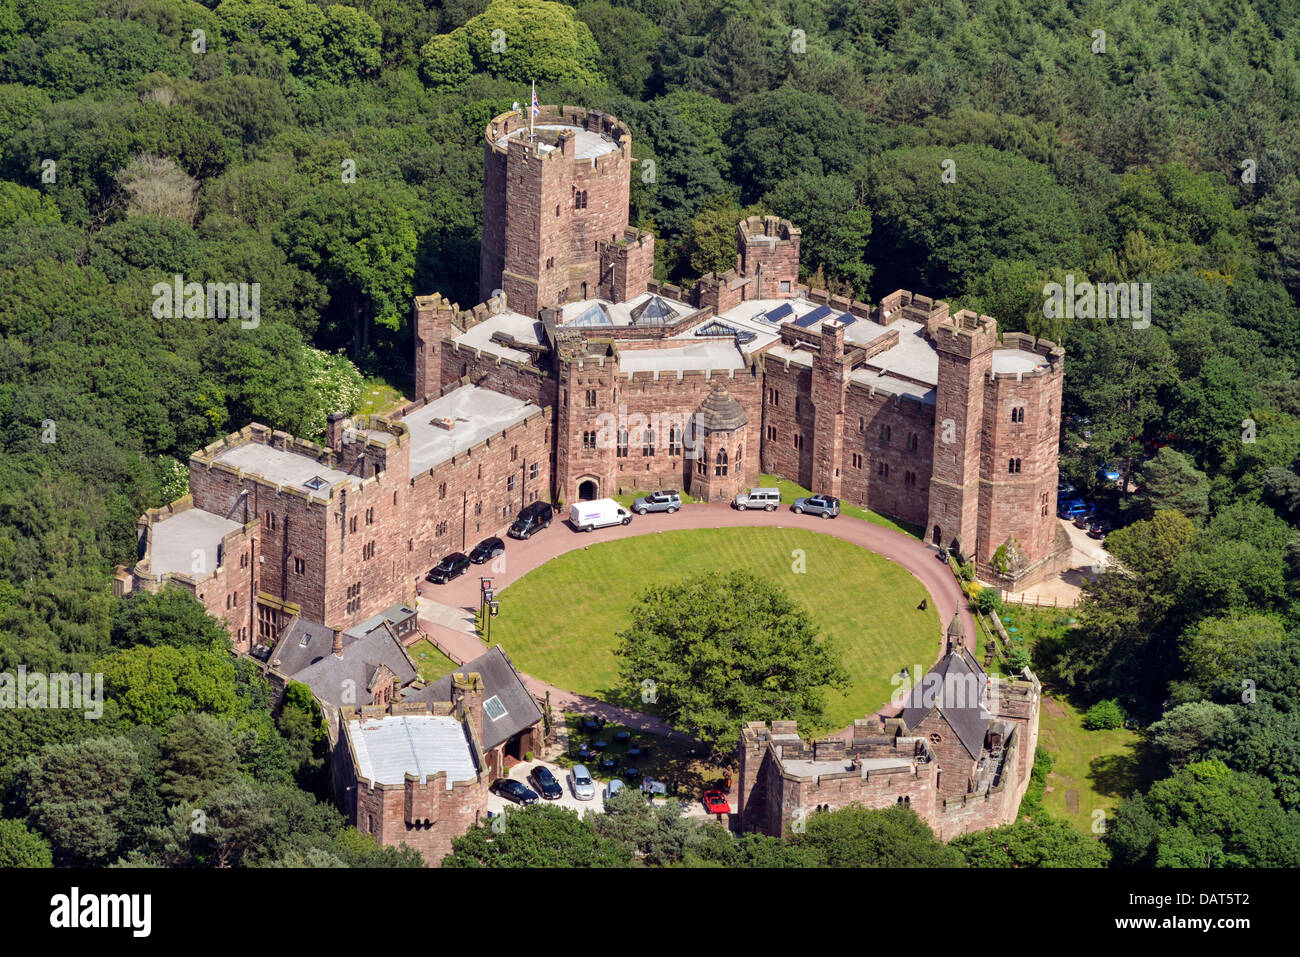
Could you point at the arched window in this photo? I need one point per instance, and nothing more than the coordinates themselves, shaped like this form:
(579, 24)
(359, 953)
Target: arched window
(1013, 466)
(720, 463)
(740, 452)
(1018, 414)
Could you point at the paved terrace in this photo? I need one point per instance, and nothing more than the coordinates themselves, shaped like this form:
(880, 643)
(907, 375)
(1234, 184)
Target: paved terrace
(586, 143)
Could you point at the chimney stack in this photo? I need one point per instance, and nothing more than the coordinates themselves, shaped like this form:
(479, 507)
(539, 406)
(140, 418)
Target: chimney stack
(338, 643)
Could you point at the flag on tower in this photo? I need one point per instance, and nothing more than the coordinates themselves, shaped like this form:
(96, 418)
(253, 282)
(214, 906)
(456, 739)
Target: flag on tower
(537, 110)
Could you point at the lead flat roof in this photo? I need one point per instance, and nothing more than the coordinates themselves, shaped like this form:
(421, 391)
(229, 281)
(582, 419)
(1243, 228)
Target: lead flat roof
(392, 746)
(711, 354)
(477, 413)
(284, 467)
(514, 324)
(174, 541)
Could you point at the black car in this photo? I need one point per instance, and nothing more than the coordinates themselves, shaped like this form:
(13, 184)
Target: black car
(450, 567)
(532, 518)
(487, 550)
(1099, 528)
(516, 791)
(549, 788)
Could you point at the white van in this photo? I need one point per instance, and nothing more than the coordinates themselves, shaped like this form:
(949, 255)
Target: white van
(588, 516)
(765, 498)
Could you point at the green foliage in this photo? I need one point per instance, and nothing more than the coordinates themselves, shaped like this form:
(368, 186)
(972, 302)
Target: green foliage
(539, 835)
(317, 44)
(19, 847)
(1104, 716)
(1041, 842)
(518, 40)
(153, 684)
(727, 648)
(893, 837)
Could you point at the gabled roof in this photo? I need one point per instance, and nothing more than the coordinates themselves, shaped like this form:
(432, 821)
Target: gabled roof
(500, 681)
(955, 687)
(302, 644)
(362, 661)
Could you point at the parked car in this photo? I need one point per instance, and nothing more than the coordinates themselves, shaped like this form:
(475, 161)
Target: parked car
(1069, 508)
(487, 550)
(1083, 519)
(584, 788)
(765, 498)
(614, 786)
(452, 566)
(1099, 528)
(822, 505)
(532, 518)
(1107, 473)
(658, 502)
(516, 791)
(544, 782)
(598, 513)
(715, 802)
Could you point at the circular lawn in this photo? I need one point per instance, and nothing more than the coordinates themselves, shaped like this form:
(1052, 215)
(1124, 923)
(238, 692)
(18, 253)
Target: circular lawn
(559, 622)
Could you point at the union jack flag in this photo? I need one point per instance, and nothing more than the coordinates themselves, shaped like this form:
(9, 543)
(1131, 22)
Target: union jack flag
(537, 110)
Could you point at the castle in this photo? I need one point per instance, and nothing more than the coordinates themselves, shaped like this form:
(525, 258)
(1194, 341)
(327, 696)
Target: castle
(579, 376)
(959, 754)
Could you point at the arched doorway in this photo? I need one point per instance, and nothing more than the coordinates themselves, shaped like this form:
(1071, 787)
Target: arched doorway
(938, 535)
(587, 490)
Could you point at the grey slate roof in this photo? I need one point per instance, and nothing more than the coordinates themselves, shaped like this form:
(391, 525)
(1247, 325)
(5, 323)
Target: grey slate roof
(500, 680)
(955, 686)
(361, 661)
(720, 412)
(302, 644)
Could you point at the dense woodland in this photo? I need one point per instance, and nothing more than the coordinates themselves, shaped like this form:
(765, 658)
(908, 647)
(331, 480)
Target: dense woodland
(140, 139)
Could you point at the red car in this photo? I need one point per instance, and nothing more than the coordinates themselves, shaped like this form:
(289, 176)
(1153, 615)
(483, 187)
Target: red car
(715, 802)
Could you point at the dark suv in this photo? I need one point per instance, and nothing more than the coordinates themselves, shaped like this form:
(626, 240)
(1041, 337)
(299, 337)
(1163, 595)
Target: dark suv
(533, 518)
(450, 567)
(487, 550)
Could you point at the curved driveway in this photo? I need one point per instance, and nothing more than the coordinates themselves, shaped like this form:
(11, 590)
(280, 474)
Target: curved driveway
(523, 557)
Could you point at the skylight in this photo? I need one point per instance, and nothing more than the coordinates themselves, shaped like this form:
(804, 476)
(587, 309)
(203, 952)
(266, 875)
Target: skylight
(494, 709)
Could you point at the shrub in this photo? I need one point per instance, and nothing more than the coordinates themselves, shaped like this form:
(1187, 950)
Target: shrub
(528, 755)
(1018, 659)
(987, 601)
(1104, 716)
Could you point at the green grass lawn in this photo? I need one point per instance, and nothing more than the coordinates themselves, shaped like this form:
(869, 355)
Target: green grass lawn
(559, 622)
(378, 397)
(791, 491)
(433, 664)
(1101, 767)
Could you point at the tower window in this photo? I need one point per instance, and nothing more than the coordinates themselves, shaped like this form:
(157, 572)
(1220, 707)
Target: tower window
(1013, 466)
(1018, 414)
(720, 463)
(620, 450)
(648, 443)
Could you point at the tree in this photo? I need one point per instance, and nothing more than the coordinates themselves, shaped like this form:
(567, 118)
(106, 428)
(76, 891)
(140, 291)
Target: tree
(518, 40)
(21, 204)
(1104, 716)
(658, 834)
(539, 835)
(1208, 815)
(1173, 482)
(892, 837)
(153, 684)
(197, 758)
(1042, 842)
(1215, 648)
(784, 133)
(75, 793)
(726, 648)
(19, 847)
(156, 186)
(172, 617)
(318, 44)
(836, 227)
(1189, 731)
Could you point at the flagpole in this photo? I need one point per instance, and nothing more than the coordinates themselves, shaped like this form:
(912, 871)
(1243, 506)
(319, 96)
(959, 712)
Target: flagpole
(532, 111)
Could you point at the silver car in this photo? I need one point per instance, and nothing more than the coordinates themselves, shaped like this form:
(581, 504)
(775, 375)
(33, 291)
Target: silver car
(823, 505)
(658, 502)
(584, 788)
